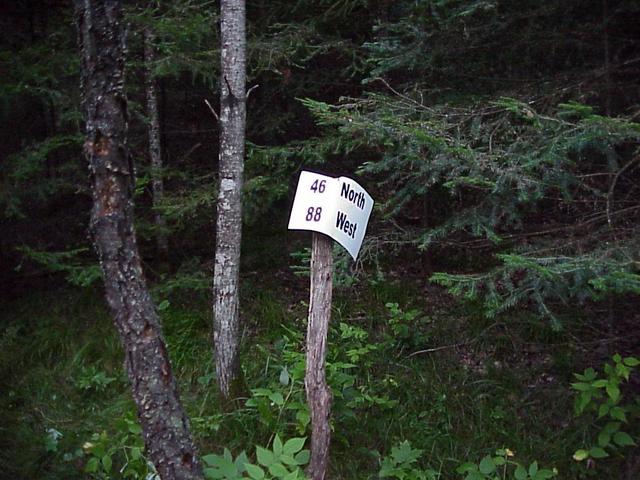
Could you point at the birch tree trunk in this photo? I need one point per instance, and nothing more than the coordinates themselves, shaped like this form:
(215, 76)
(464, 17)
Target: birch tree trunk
(164, 424)
(226, 280)
(155, 145)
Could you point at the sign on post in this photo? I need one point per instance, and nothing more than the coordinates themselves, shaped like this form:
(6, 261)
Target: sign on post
(338, 207)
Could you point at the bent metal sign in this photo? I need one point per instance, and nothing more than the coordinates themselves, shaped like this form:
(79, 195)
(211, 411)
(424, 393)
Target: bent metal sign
(338, 207)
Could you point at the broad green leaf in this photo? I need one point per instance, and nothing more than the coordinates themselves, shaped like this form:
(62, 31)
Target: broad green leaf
(277, 398)
(581, 402)
(284, 376)
(597, 452)
(226, 454)
(580, 455)
(631, 362)
(487, 466)
(303, 418)
(254, 471)
(302, 457)
(623, 371)
(134, 428)
(277, 445)
(612, 427)
(603, 410)
(265, 457)
(581, 387)
(278, 470)
(136, 453)
(240, 461)
(287, 459)
(467, 467)
(294, 445)
(533, 469)
(474, 476)
(388, 469)
(107, 463)
(92, 465)
(293, 475)
(623, 439)
(544, 474)
(520, 473)
(212, 473)
(604, 439)
(261, 392)
(229, 469)
(618, 413)
(212, 459)
(403, 453)
(613, 391)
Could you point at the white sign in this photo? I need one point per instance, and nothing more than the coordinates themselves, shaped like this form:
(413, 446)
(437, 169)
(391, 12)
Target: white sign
(337, 207)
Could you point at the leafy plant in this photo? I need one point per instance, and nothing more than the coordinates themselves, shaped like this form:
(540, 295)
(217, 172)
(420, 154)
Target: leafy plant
(283, 461)
(405, 325)
(501, 467)
(52, 439)
(118, 455)
(93, 379)
(400, 464)
(603, 396)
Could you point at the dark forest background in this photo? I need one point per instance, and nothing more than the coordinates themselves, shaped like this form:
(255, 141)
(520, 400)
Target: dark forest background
(501, 142)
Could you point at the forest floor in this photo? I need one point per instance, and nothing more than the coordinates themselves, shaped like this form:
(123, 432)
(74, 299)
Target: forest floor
(405, 362)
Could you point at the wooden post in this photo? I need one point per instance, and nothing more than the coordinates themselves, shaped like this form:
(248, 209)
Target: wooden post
(318, 394)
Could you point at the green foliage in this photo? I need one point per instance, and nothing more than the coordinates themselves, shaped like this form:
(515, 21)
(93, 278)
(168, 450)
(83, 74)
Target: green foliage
(93, 379)
(406, 325)
(268, 170)
(500, 139)
(191, 276)
(400, 464)
(540, 280)
(345, 273)
(603, 397)
(28, 176)
(501, 466)
(52, 439)
(281, 402)
(283, 461)
(119, 455)
(78, 271)
(494, 173)
(185, 38)
(181, 207)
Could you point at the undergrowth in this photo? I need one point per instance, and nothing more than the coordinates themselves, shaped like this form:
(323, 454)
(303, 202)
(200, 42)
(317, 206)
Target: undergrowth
(422, 387)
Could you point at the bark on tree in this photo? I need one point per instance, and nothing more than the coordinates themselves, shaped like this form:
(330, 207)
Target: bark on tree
(164, 424)
(318, 393)
(155, 144)
(226, 281)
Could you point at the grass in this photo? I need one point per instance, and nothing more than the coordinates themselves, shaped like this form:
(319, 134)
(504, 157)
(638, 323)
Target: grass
(480, 383)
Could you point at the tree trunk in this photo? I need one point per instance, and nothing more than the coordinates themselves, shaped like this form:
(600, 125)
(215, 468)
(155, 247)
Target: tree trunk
(155, 145)
(318, 393)
(164, 424)
(226, 281)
